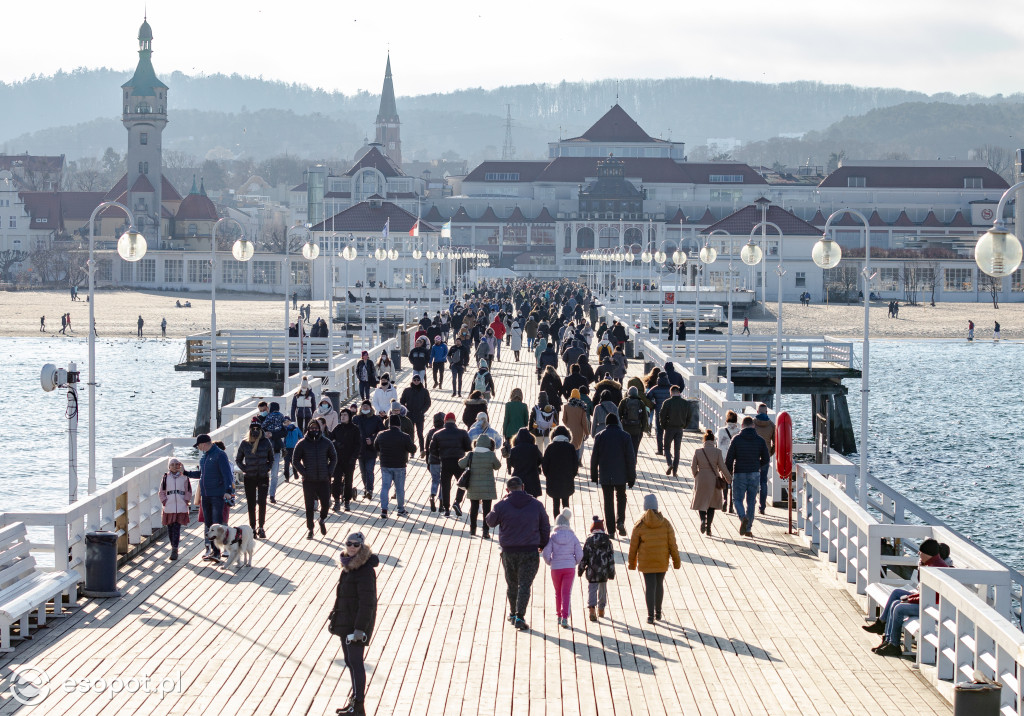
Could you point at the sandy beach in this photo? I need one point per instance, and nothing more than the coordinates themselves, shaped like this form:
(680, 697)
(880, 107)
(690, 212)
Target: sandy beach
(117, 312)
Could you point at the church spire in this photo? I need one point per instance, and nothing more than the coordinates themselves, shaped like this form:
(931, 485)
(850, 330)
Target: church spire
(388, 126)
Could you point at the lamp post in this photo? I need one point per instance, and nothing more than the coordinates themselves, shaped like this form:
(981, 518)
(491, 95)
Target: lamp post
(309, 251)
(678, 261)
(707, 255)
(827, 254)
(242, 250)
(758, 254)
(728, 339)
(998, 252)
(130, 247)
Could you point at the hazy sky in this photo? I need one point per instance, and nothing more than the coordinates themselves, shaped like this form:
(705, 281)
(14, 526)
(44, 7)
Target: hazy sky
(927, 45)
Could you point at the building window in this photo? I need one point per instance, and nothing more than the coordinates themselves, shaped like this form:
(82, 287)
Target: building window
(144, 138)
(199, 271)
(105, 270)
(722, 195)
(801, 279)
(42, 219)
(856, 182)
(974, 183)
(889, 279)
(264, 273)
(233, 271)
(13, 222)
(725, 179)
(143, 108)
(174, 270)
(126, 272)
(140, 167)
(1016, 285)
(145, 167)
(192, 229)
(959, 279)
(585, 238)
(608, 237)
(501, 176)
(147, 271)
(300, 274)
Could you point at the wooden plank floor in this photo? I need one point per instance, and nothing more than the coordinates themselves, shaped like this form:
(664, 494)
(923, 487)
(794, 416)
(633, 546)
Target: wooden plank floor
(752, 625)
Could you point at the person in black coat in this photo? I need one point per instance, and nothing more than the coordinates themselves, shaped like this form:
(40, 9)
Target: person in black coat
(416, 399)
(355, 613)
(574, 381)
(524, 461)
(551, 384)
(586, 370)
(348, 444)
(560, 468)
(613, 465)
(369, 424)
(449, 445)
(314, 460)
(613, 387)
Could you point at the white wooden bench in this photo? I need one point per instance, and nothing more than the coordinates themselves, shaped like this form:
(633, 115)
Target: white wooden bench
(24, 590)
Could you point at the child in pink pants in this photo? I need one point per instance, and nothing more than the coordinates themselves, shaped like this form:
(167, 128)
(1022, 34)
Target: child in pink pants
(562, 553)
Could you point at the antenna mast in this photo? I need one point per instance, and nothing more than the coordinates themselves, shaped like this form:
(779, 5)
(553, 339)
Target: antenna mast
(508, 151)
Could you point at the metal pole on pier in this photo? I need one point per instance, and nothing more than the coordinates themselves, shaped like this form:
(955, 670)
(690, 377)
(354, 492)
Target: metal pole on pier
(72, 413)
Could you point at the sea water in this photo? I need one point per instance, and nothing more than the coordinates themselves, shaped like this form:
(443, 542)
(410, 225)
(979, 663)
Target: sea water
(945, 421)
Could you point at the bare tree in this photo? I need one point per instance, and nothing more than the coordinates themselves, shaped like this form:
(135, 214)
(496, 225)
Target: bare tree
(910, 275)
(8, 258)
(841, 282)
(998, 159)
(930, 276)
(993, 285)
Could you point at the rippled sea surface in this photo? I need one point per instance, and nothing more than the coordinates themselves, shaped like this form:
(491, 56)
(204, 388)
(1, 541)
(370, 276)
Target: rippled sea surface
(945, 423)
(945, 426)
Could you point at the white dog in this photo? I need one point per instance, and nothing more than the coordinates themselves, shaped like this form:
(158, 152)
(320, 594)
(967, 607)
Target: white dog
(234, 543)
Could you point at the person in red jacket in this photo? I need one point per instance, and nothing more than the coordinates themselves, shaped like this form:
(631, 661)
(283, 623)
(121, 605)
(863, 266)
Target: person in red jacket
(498, 326)
(904, 604)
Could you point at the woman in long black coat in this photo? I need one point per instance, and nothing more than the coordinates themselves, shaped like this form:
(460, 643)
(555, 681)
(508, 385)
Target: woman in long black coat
(551, 384)
(355, 612)
(560, 468)
(524, 461)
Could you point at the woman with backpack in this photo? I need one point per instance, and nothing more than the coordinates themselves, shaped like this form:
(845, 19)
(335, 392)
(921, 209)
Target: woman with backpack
(474, 405)
(482, 381)
(254, 457)
(605, 407)
(543, 419)
(175, 496)
(598, 564)
(481, 463)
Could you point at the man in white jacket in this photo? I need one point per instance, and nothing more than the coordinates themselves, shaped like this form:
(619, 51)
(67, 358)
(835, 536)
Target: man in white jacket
(383, 394)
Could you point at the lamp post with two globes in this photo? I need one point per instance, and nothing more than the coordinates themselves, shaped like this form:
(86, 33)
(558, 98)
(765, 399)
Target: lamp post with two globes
(310, 251)
(130, 247)
(751, 255)
(242, 250)
(827, 254)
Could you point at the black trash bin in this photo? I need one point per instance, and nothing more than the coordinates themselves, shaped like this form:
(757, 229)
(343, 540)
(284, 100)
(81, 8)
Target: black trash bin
(101, 565)
(971, 699)
(396, 358)
(630, 348)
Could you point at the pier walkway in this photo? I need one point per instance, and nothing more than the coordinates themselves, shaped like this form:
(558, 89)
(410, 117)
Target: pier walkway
(753, 626)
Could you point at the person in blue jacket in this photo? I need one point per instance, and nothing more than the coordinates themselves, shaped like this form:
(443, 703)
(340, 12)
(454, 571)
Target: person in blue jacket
(292, 435)
(438, 358)
(215, 483)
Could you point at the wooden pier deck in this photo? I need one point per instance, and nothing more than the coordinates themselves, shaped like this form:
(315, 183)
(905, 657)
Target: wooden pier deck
(753, 626)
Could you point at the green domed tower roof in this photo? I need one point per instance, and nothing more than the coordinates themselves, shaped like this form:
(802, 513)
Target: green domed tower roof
(144, 82)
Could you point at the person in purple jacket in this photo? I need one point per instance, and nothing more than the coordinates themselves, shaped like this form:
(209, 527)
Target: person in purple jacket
(562, 553)
(525, 531)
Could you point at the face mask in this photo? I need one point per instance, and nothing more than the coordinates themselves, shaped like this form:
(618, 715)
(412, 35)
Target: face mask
(263, 413)
(314, 434)
(325, 407)
(365, 411)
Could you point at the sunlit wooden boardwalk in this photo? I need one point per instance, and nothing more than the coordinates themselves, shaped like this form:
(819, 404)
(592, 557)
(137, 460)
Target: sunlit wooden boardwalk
(752, 626)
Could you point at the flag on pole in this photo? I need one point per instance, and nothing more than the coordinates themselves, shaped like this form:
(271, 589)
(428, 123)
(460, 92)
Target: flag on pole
(415, 230)
(446, 229)
(387, 225)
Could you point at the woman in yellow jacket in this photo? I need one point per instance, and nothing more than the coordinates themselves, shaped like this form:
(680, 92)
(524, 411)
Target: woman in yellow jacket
(651, 545)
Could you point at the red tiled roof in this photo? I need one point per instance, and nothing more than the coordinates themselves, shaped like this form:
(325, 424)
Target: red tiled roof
(31, 162)
(903, 220)
(707, 218)
(376, 159)
(742, 222)
(678, 218)
(489, 216)
(650, 170)
(875, 219)
(196, 207)
(434, 215)
(366, 217)
(913, 177)
(818, 219)
(528, 171)
(167, 190)
(848, 219)
(461, 216)
(516, 217)
(119, 188)
(142, 185)
(79, 204)
(44, 209)
(615, 126)
(932, 221)
(544, 217)
(299, 187)
(959, 221)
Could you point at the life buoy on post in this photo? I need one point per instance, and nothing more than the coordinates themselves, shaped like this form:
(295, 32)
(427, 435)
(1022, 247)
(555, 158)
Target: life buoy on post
(784, 456)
